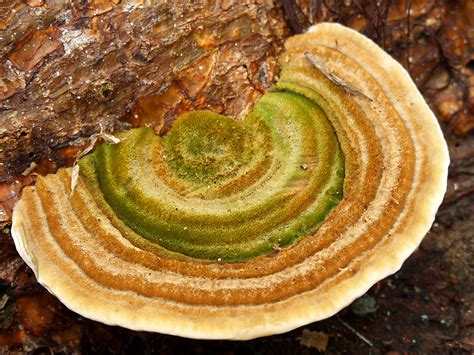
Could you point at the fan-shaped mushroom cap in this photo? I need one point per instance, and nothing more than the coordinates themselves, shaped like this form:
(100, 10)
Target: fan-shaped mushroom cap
(228, 229)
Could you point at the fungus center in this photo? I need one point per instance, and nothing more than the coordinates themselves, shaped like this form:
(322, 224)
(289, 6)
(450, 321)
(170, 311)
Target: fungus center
(204, 148)
(217, 188)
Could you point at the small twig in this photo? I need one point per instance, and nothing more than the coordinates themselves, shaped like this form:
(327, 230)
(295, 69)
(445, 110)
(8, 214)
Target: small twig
(28, 170)
(333, 77)
(384, 21)
(314, 8)
(3, 301)
(93, 140)
(329, 8)
(363, 338)
(408, 4)
(291, 8)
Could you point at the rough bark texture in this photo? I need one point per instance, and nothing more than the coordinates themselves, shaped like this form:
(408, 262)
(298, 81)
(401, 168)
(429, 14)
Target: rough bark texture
(66, 67)
(69, 66)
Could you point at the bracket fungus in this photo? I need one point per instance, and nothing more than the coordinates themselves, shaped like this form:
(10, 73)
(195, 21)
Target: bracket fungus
(240, 229)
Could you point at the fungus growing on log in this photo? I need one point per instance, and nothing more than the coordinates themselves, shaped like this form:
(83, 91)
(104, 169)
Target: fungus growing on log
(240, 229)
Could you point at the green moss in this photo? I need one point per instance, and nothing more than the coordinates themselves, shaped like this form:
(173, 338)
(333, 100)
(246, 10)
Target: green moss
(203, 147)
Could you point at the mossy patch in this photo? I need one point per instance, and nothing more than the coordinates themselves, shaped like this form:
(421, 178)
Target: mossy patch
(218, 188)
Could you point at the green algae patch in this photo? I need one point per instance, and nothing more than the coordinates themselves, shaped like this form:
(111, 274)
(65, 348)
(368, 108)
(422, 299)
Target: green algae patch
(217, 188)
(205, 148)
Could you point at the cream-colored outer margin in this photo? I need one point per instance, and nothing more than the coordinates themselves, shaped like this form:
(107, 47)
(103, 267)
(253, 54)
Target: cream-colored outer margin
(254, 321)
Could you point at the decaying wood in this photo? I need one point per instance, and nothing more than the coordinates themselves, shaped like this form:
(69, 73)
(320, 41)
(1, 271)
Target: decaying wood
(119, 63)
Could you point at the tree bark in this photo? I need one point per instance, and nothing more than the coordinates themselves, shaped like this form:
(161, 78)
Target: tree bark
(68, 67)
